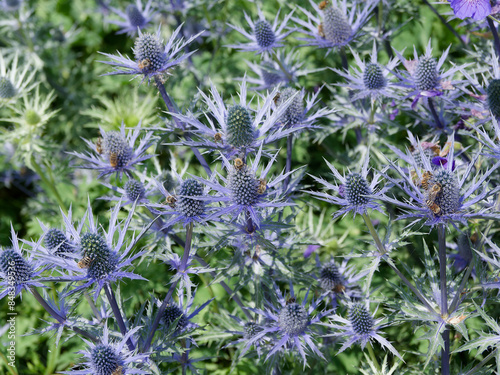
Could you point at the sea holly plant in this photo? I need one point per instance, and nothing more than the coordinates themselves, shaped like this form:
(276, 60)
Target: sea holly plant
(263, 207)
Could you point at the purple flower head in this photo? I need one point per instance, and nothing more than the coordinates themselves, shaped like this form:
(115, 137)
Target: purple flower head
(289, 325)
(152, 57)
(116, 152)
(264, 37)
(335, 24)
(103, 256)
(370, 79)
(18, 273)
(246, 197)
(136, 17)
(134, 190)
(111, 356)
(354, 193)
(186, 204)
(439, 194)
(360, 326)
(425, 77)
(238, 129)
(476, 9)
(247, 330)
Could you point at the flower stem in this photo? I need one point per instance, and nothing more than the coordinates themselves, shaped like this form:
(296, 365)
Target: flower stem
(58, 317)
(343, 57)
(49, 185)
(373, 356)
(282, 67)
(445, 353)
(382, 250)
(454, 32)
(118, 315)
(159, 314)
(172, 107)
(494, 31)
(434, 114)
(288, 166)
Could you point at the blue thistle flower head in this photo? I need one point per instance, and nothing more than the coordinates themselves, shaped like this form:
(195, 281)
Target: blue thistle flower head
(426, 74)
(440, 194)
(7, 89)
(117, 152)
(360, 327)
(294, 114)
(111, 357)
(136, 16)
(56, 241)
(238, 129)
(493, 92)
(102, 260)
(264, 37)
(174, 314)
(334, 24)
(330, 277)
(291, 325)
(354, 193)
(187, 203)
(152, 57)
(251, 329)
(134, 190)
(17, 272)
(244, 185)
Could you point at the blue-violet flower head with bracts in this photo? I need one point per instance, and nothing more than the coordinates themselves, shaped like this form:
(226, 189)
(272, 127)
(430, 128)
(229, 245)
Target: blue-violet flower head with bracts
(334, 24)
(152, 57)
(116, 152)
(111, 357)
(264, 37)
(135, 17)
(354, 193)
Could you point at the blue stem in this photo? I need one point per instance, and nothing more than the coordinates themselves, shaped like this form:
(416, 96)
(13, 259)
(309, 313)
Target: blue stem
(118, 315)
(445, 353)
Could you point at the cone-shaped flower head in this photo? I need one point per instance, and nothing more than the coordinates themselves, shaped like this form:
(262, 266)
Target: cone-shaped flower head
(426, 74)
(269, 74)
(444, 192)
(171, 314)
(135, 16)
(134, 190)
(336, 26)
(149, 50)
(116, 147)
(106, 361)
(56, 241)
(240, 131)
(102, 259)
(264, 34)
(295, 112)
(373, 77)
(244, 185)
(7, 89)
(330, 277)
(493, 92)
(15, 267)
(293, 319)
(251, 329)
(187, 206)
(361, 320)
(356, 189)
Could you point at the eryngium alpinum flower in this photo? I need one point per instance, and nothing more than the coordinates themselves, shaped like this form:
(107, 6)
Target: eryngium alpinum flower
(116, 151)
(369, 79)
(111, 357)
(289, 325)
(152, 57)
(354, 193)
(173, 313)
(442, 196)
(134, 190)
(56, 241)
(135, 17)
(263, 37)
(294, 114)
(335, 24)
(359, 327)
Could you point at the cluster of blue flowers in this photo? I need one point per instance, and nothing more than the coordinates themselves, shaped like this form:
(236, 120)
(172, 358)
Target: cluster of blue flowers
(245, 194)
